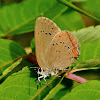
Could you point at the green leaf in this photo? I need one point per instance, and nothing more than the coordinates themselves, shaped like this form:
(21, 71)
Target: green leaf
(9, 52)
(89, 39)
(24, 84)
(20, 18)
(78, 1)
(69, 20)
(8, 70)
(87, 65)
(90, 51)
(33, 45)
(85, 91)
(78, 9)
(90, 85)
(92, 6)
(59, 90)
(88, 35)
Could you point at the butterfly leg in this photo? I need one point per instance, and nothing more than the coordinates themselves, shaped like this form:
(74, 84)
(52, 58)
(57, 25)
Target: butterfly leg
(45, 79)
(43, 75)
(40, 77)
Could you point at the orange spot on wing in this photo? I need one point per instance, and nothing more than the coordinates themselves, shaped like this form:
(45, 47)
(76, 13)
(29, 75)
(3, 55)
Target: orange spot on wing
(65, 34)
(71, 39)
(60, 35)
(73, 50)
(73, 44)
(76, 55)
(68, 36)
(56, 36)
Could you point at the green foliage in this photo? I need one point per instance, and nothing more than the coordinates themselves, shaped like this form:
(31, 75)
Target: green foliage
(33, 45)
(78, 9)
(85, 91)
(10, 52)
(23, 86)
(19, 17)
(67, 21)
(8, 70)
(88, 35)
(89, 39)
(92, 6)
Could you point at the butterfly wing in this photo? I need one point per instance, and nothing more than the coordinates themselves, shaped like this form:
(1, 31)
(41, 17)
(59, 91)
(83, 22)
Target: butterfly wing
(62, 51)
(45, 30)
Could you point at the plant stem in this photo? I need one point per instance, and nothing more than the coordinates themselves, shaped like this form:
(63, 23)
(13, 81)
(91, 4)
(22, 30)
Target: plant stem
(74, 77)
(78, 9)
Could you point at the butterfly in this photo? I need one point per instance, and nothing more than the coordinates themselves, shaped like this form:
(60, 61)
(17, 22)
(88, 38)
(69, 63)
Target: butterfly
(55, 49)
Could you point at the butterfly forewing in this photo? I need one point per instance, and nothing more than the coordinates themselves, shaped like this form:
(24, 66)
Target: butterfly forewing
(45, 30)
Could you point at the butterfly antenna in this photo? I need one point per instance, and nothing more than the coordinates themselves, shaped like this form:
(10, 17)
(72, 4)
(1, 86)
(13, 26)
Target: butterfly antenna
(35, 68)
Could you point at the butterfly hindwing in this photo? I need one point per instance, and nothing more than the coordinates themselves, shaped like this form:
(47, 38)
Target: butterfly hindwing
(62, 51)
